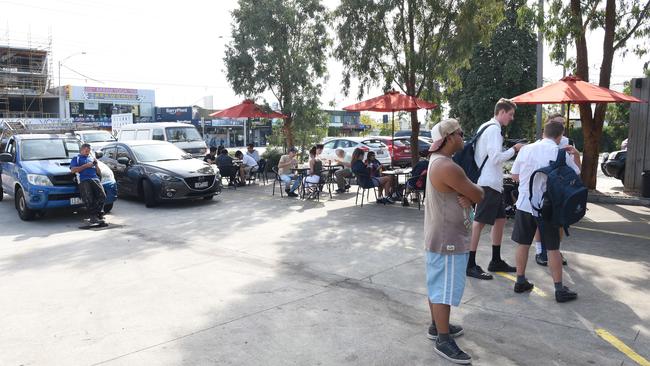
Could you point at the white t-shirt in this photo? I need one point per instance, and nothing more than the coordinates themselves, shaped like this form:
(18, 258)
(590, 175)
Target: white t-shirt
(491, 144)
(249, 161)
(532, 157)
(255, 155)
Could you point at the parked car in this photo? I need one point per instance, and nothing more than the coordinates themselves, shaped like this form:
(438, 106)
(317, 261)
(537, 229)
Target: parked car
(348, 144)
(183, 135)
(159, 171)
(36, 173)
(407, 133)
(399, 151)
(96, 138)
(613, 164)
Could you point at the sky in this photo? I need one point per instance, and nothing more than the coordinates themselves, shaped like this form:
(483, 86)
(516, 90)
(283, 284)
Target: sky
(173, 47)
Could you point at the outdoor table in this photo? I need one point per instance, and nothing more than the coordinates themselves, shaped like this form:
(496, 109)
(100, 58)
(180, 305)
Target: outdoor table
(302, 172)
(397, 173)
(329, 177)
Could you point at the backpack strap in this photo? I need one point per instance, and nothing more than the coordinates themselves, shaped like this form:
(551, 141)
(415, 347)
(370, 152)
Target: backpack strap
(546, 171)
(561, 158)
(475, 140)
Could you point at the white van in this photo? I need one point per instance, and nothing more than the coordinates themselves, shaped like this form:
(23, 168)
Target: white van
(183, 135)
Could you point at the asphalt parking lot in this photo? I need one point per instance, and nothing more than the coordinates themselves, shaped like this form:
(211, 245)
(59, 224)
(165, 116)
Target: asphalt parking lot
(251, 279)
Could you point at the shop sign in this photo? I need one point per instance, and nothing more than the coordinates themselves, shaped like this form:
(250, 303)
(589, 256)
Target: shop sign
(227, 123)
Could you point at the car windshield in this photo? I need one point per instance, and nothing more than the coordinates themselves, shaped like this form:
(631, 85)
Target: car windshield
(151, 153)
(97, 137)
(49, 149)
(185, 134)
(374, 143)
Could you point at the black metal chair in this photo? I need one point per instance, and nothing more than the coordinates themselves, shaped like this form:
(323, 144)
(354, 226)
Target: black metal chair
(363, 189)
(262, 171)
(231, 173)
(412, 189)
(278, 181)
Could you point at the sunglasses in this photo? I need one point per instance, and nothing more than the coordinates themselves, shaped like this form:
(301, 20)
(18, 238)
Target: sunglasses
(459, 133)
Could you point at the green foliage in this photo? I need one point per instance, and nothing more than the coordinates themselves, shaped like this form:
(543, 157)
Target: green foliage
(619, 113)
(272, 156)
(505, 66)
(377, 127)
(279, 46)
(613, 136)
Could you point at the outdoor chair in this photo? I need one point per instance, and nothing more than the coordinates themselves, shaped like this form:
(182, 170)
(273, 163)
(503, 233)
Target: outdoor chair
(262, 170)
(278, 181)
(363, 189)
(413, 189)
(227, 172)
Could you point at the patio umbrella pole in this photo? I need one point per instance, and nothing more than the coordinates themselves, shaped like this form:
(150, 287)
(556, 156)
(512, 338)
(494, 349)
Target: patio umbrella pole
(568, 114)
(392, 140)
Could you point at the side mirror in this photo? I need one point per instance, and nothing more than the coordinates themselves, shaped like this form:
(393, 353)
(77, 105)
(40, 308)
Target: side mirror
(124, 160)
(6, 158)
(605, 157)
(99, 154)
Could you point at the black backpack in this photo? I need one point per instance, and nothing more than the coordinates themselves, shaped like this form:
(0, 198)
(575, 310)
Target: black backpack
(565, 201)
(465, 157)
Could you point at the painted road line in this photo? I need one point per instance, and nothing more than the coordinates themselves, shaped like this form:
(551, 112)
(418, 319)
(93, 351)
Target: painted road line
(514, 279)
(629, 352)
(612, 232)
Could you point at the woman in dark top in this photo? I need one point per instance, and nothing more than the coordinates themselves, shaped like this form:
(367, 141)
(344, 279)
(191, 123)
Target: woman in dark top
(315, 167)
(366, 180)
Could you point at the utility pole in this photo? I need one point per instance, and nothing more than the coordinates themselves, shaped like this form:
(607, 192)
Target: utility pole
(540, 68)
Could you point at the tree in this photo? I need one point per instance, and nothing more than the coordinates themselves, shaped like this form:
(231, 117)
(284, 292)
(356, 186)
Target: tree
(413, 45)
(620, 21)
(504, 66)
(375, 126)
(279, 46)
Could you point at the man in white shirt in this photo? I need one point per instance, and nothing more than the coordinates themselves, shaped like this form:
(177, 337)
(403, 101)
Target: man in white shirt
(249, 165)
(491, 211)
(533, 157)
(250, 151)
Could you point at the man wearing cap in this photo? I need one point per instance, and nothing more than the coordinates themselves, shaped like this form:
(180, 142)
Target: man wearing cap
(449, 197)
(285, 164)
(491, 211)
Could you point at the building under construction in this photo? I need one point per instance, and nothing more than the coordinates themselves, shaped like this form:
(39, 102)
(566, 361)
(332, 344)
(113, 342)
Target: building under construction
(24, 81)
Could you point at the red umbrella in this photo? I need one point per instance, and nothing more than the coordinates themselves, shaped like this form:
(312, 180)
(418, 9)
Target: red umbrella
(390, 102)
(572, 89)
(246, 109)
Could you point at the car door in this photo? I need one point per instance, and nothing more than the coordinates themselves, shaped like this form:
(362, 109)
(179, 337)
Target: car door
(329, 150)
(10, 170)
(126, 183)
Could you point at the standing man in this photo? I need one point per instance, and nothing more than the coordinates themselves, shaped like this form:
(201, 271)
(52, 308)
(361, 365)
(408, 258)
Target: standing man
(284, 171)
(449, 196)
(533, 157)
(92, 193)
(491, 211)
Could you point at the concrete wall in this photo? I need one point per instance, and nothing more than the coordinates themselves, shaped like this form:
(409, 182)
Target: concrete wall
(638, 151)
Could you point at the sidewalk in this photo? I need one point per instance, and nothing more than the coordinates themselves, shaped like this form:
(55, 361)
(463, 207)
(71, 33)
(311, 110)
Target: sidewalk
(611, 190)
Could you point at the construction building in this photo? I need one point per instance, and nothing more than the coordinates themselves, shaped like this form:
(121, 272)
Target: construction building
(25, 72)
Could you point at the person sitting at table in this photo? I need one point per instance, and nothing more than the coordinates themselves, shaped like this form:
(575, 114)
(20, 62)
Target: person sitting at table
(286, 163)
(211, 157)
(315, 167)
(344, 173)
(319, 150)
(366, 180)
(248, 166)
(373, 164)
(226, 166)
(250, 151)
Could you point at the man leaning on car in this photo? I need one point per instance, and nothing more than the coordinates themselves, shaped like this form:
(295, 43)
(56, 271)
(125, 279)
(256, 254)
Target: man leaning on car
(90, 188)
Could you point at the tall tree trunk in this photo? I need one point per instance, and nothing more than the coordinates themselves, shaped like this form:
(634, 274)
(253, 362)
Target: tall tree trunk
(415, 142)
(410, 84)
(288, 130)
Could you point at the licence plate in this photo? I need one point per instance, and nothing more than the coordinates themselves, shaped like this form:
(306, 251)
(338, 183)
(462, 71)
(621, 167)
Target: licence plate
(76, 201)
(201, 185)
(380, 152)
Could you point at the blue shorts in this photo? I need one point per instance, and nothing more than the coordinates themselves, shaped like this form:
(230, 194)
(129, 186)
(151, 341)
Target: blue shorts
(446, 277)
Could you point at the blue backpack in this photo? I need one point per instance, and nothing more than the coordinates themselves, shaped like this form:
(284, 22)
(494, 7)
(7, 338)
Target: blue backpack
(465, 157)
(565, 201)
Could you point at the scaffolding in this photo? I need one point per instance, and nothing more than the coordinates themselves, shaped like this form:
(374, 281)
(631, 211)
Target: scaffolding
(25, 77)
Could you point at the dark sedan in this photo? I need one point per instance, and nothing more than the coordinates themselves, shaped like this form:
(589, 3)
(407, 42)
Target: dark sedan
(158, 171)
(613, 164)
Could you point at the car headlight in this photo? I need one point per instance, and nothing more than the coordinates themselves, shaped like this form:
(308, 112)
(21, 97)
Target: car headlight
(167, 177)
(39, 180)
(215, 169)
(107, 173)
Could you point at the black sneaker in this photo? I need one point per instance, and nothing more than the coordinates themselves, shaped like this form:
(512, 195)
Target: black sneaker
(347, 186)
(450, 351)
(523, 287)
(501, 266)
(287, 190)
(541, 259)
(564, 262)
(93, 221)
(454, 331)
(389, 200)
(340, 191)
(477, 272)
(381, 201)
(565, 295)
(292, 194)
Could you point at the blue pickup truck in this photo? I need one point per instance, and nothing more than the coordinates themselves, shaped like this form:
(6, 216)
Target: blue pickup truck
(35, 171)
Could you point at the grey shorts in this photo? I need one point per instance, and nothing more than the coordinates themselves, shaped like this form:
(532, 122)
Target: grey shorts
(526, 225)
(491, 208)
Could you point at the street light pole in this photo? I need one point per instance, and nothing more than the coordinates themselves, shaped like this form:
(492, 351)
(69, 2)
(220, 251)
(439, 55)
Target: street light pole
(61, 102)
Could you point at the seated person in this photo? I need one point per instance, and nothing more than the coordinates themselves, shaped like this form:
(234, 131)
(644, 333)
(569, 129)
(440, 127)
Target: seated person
(286, 163)
(362, 171)
(373, 164)
(211, 157)
(226, 166)
(248, 166)
(344, 173)
(250, 151)
(315, 167)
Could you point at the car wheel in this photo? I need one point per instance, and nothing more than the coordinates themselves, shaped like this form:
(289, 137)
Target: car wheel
(108, 207)
(24, 212)
(208, 198)
(149, 196)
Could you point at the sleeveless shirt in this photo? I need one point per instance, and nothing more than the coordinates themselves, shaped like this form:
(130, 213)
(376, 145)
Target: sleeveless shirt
(444, 219)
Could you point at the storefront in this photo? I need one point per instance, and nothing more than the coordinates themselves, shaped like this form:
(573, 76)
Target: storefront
(230, 132)
(97, 104)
